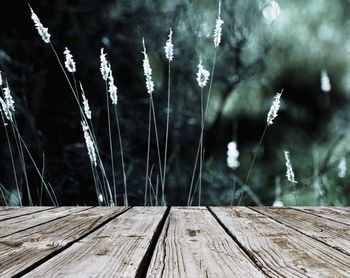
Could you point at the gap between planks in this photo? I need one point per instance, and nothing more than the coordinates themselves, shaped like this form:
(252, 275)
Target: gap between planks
(120, 248)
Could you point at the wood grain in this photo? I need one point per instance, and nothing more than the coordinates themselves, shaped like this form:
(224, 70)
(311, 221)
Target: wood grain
(335, 214)
(14, 225)
(193, 244)
(20, 251)
(7, 214)
(115, 250)
(279, 250)
(334, 234)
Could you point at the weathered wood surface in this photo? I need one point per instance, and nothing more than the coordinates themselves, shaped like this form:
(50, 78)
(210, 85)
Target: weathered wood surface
(280, 250)
(7, 214)
(20, 251)
(334, 234)
(335, 214)
(14, 225)
(115, 250)
(175, 242)
(192, 244)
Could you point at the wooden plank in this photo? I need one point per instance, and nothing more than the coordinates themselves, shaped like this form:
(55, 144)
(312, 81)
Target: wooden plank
(280, 250)
(338, 215)
(115, 250)
(5, 210)
(193, 244)
(19, 252)
(334, 234)
(21, 211)
(14, 225)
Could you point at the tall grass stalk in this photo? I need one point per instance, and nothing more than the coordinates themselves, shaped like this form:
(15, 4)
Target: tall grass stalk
(52, 197)
(169, 54)
(271, 116)
(202, 79)
(244, 187)
(21, 156)
(150, 88)
(111, 145)
(12, 159)
(158, 149)
(148, 148)
(126, 202)
(217, 40)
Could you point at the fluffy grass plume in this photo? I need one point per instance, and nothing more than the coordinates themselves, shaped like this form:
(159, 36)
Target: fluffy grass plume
(147, 70)
(86, 105)
(289, 174)
(169, 47)
(274, 109)
(218, 28)
(43, 32)
(69, 61)
(89, 144)
(202, 75)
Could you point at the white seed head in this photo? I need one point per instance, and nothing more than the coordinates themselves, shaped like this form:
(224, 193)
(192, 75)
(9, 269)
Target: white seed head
(290, 174)
(147, 70)
(218, 28)
(325, 82)
(0, 79)
(43, 32)
(112, 89)
(10, 103)
(104, 65)
(169, 47)
(232, 155)
(274, 109)
(202, 75)
(69, 62)
(89, 143)
(277, 203)
(4, 110)
(342, 168)
(86, 105)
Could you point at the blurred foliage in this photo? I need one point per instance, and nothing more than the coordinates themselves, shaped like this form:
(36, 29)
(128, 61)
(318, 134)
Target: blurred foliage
(260, 54)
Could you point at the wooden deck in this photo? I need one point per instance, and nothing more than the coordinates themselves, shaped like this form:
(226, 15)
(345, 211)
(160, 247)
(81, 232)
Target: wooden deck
(175, 242)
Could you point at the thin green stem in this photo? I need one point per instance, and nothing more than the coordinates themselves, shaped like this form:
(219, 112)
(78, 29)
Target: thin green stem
(111, 145)
(251, 165)
(148, 146)
(201, 151)
(126, 203)
(158, 150)
(12, 162)
(166, 132)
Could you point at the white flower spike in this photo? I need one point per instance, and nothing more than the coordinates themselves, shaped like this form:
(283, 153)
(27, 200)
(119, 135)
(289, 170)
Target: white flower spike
(232, 155)
(86, 105)
(274, 109)
(104, 65)
(202, 75)
(89, 144)
(69, 62)
(112, 89)
(169, 47)
(218, 28)
(290, 173)
(147, 70)
(43, 32)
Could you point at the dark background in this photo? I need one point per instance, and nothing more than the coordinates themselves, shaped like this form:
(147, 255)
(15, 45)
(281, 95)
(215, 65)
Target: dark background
(256, 59)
